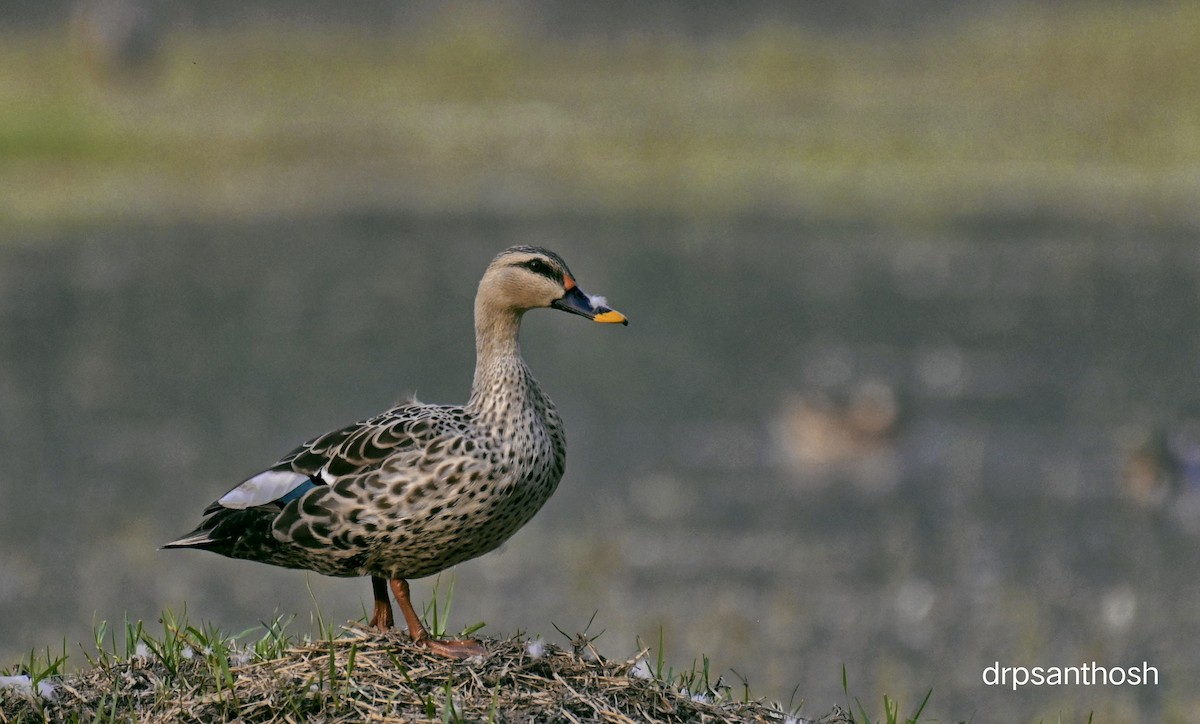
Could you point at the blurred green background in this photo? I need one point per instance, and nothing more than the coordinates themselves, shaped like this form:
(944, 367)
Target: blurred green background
(909, 381)
(157, 110)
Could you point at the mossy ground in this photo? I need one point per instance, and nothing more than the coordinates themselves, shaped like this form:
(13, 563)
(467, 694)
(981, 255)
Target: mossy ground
(194, 674)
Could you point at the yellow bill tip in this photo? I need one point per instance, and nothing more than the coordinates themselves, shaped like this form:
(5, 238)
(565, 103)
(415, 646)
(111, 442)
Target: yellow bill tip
(611, 317)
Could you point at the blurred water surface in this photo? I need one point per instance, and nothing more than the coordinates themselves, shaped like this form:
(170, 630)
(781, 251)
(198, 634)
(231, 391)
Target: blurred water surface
(913, 454)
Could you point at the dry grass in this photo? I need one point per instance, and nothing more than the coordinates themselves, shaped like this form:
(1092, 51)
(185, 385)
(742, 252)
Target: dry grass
(193, 675)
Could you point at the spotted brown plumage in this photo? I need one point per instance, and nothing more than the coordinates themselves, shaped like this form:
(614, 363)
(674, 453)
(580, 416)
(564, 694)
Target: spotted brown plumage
(418, 488)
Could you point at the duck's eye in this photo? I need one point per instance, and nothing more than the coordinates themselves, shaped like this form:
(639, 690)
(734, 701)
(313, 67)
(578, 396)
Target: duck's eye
(537, 266)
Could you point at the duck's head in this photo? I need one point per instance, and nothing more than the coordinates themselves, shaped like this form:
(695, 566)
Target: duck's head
(528, 277)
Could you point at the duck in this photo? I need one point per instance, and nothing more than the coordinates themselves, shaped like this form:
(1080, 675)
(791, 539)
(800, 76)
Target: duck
(419, 488)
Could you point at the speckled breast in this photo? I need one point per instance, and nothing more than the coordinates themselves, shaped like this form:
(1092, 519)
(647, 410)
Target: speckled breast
(476, 506)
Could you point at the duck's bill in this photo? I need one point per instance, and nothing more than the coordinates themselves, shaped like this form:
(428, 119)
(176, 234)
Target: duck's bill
(576, 302)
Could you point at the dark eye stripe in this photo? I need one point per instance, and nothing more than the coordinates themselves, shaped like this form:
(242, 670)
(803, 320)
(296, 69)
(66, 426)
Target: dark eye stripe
(537, 266)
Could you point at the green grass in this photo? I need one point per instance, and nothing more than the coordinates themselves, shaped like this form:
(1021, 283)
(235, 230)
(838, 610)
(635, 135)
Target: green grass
(891, 707)
(436, 612)
(1085, 109)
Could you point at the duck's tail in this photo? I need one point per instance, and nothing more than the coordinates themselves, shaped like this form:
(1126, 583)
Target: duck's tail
(199, 538)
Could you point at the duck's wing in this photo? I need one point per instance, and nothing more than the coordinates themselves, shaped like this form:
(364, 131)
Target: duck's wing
(324, 460)
(340, 456)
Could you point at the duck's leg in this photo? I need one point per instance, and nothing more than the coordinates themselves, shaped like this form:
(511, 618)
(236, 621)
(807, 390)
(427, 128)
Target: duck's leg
(381, 618)
(463, 649)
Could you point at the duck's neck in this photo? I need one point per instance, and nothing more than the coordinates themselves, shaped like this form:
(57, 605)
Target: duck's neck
(503, 384)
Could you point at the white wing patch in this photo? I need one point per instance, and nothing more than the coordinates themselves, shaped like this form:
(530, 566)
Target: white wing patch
(263, 488)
